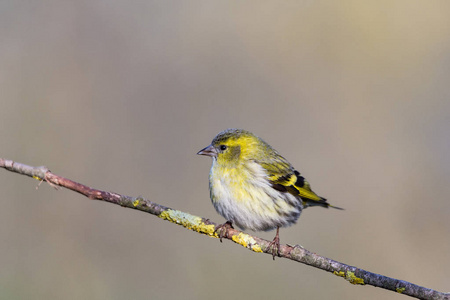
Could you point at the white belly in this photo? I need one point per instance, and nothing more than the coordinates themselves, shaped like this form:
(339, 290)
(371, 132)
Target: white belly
(250, 201)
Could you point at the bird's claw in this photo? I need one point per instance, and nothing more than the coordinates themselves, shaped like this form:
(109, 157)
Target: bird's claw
(275, 247)
(222, 229)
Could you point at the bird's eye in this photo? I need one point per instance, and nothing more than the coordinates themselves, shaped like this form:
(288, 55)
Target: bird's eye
(223, 147)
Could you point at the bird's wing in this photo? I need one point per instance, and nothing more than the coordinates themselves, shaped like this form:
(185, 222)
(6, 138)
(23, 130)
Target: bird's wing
(284, 178)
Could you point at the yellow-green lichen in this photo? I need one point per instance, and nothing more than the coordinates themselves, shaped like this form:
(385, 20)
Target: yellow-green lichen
(189, 221)
(246, 241)
(37, 178)
(350, 277)
(136, 202)
(400, 290)
(340, 273)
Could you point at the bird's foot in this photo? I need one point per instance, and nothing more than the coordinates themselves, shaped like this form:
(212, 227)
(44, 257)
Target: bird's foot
(275, 245)
(222, 229)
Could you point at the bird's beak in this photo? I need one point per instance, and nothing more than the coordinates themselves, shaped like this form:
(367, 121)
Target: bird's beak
(208, 151)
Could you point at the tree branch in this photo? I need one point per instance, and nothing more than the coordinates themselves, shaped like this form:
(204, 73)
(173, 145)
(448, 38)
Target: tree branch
(297, 253)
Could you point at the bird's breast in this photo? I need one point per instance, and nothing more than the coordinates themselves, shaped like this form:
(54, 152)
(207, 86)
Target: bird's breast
(245, 196)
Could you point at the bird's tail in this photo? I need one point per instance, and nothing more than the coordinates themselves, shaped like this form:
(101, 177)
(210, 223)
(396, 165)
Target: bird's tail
(322, 202)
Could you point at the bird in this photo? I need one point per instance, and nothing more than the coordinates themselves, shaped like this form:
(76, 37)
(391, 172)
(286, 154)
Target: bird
(254, 187)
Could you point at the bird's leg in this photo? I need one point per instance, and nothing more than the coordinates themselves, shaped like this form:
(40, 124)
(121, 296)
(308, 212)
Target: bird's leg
(275, 244)
(223, 228)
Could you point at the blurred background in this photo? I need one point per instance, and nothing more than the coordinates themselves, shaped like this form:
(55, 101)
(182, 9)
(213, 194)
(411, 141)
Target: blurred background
(120, 95)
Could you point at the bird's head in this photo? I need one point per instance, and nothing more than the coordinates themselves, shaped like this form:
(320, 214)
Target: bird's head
(233, 146)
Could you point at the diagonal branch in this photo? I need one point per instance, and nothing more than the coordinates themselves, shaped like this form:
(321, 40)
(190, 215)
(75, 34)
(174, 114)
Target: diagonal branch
(201, 225)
